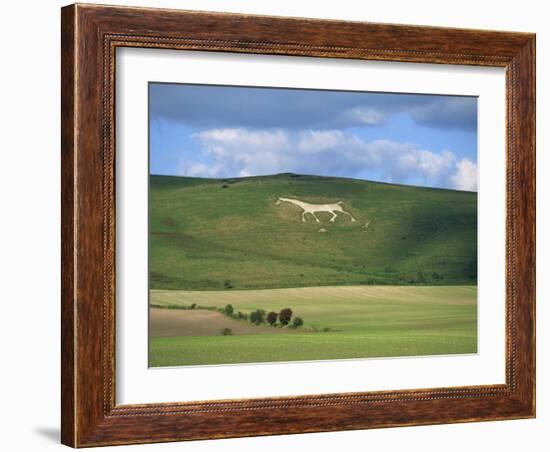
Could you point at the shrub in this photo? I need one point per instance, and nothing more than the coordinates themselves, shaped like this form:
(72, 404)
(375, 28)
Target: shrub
(272, 318)
(297, 322)
(285, 315)
(228, 309)
(226, 332)
(194, 305)
(257, 317)
(227, 284)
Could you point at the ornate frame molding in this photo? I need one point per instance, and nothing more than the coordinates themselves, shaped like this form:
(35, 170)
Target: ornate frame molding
(90, 37)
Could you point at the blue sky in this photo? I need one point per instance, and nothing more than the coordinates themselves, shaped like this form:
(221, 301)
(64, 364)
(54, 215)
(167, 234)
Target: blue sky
(223, 131)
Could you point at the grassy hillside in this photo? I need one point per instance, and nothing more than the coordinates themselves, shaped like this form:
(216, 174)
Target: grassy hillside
(208, 234)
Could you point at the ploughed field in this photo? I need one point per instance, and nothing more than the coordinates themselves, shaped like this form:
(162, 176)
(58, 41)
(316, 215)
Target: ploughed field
(340, 322)
(199, 322)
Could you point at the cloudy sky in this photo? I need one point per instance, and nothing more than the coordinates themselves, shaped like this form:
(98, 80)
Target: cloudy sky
(220, 132)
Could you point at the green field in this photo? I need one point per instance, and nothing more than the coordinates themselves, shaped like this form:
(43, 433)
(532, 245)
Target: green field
(399, 281)
(208, 234)
(363, 321)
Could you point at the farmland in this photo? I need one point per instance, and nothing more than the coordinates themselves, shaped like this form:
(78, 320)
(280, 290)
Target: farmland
(340, 323)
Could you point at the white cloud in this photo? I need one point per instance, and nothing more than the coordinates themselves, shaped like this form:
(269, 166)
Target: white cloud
(427, 163)
(465, 177)
(315, 141)
(258, 139)
(243, 152)
(363, 116)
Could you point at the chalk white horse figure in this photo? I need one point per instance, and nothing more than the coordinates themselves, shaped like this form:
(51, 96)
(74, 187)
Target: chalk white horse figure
(306, 207)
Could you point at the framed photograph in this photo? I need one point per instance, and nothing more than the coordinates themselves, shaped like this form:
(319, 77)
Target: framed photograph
(282, 225)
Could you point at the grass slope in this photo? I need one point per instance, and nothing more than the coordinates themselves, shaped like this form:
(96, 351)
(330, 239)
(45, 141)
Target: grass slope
(367, 321)
(208, 234)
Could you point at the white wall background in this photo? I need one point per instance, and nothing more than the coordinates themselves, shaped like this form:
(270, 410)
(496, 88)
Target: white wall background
(29, 226)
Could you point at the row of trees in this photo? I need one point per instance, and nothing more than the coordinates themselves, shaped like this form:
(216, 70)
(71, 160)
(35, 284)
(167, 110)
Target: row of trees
(259, 316)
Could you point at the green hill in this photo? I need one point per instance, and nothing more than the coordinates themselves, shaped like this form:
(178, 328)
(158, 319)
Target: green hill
(212, 234)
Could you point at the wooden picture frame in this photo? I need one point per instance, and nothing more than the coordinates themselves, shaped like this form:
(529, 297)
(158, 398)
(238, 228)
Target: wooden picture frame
(90, 36)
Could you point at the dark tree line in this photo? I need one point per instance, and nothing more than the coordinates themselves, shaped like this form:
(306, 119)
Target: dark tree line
(284, 317)
(259, 316)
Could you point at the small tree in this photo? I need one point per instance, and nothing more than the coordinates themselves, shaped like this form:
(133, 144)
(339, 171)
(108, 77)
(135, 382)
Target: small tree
(297, 322)
(272, 318)
(257, 317)
(228, 309)
(194, 305)
(285, 315)
(226, 332)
